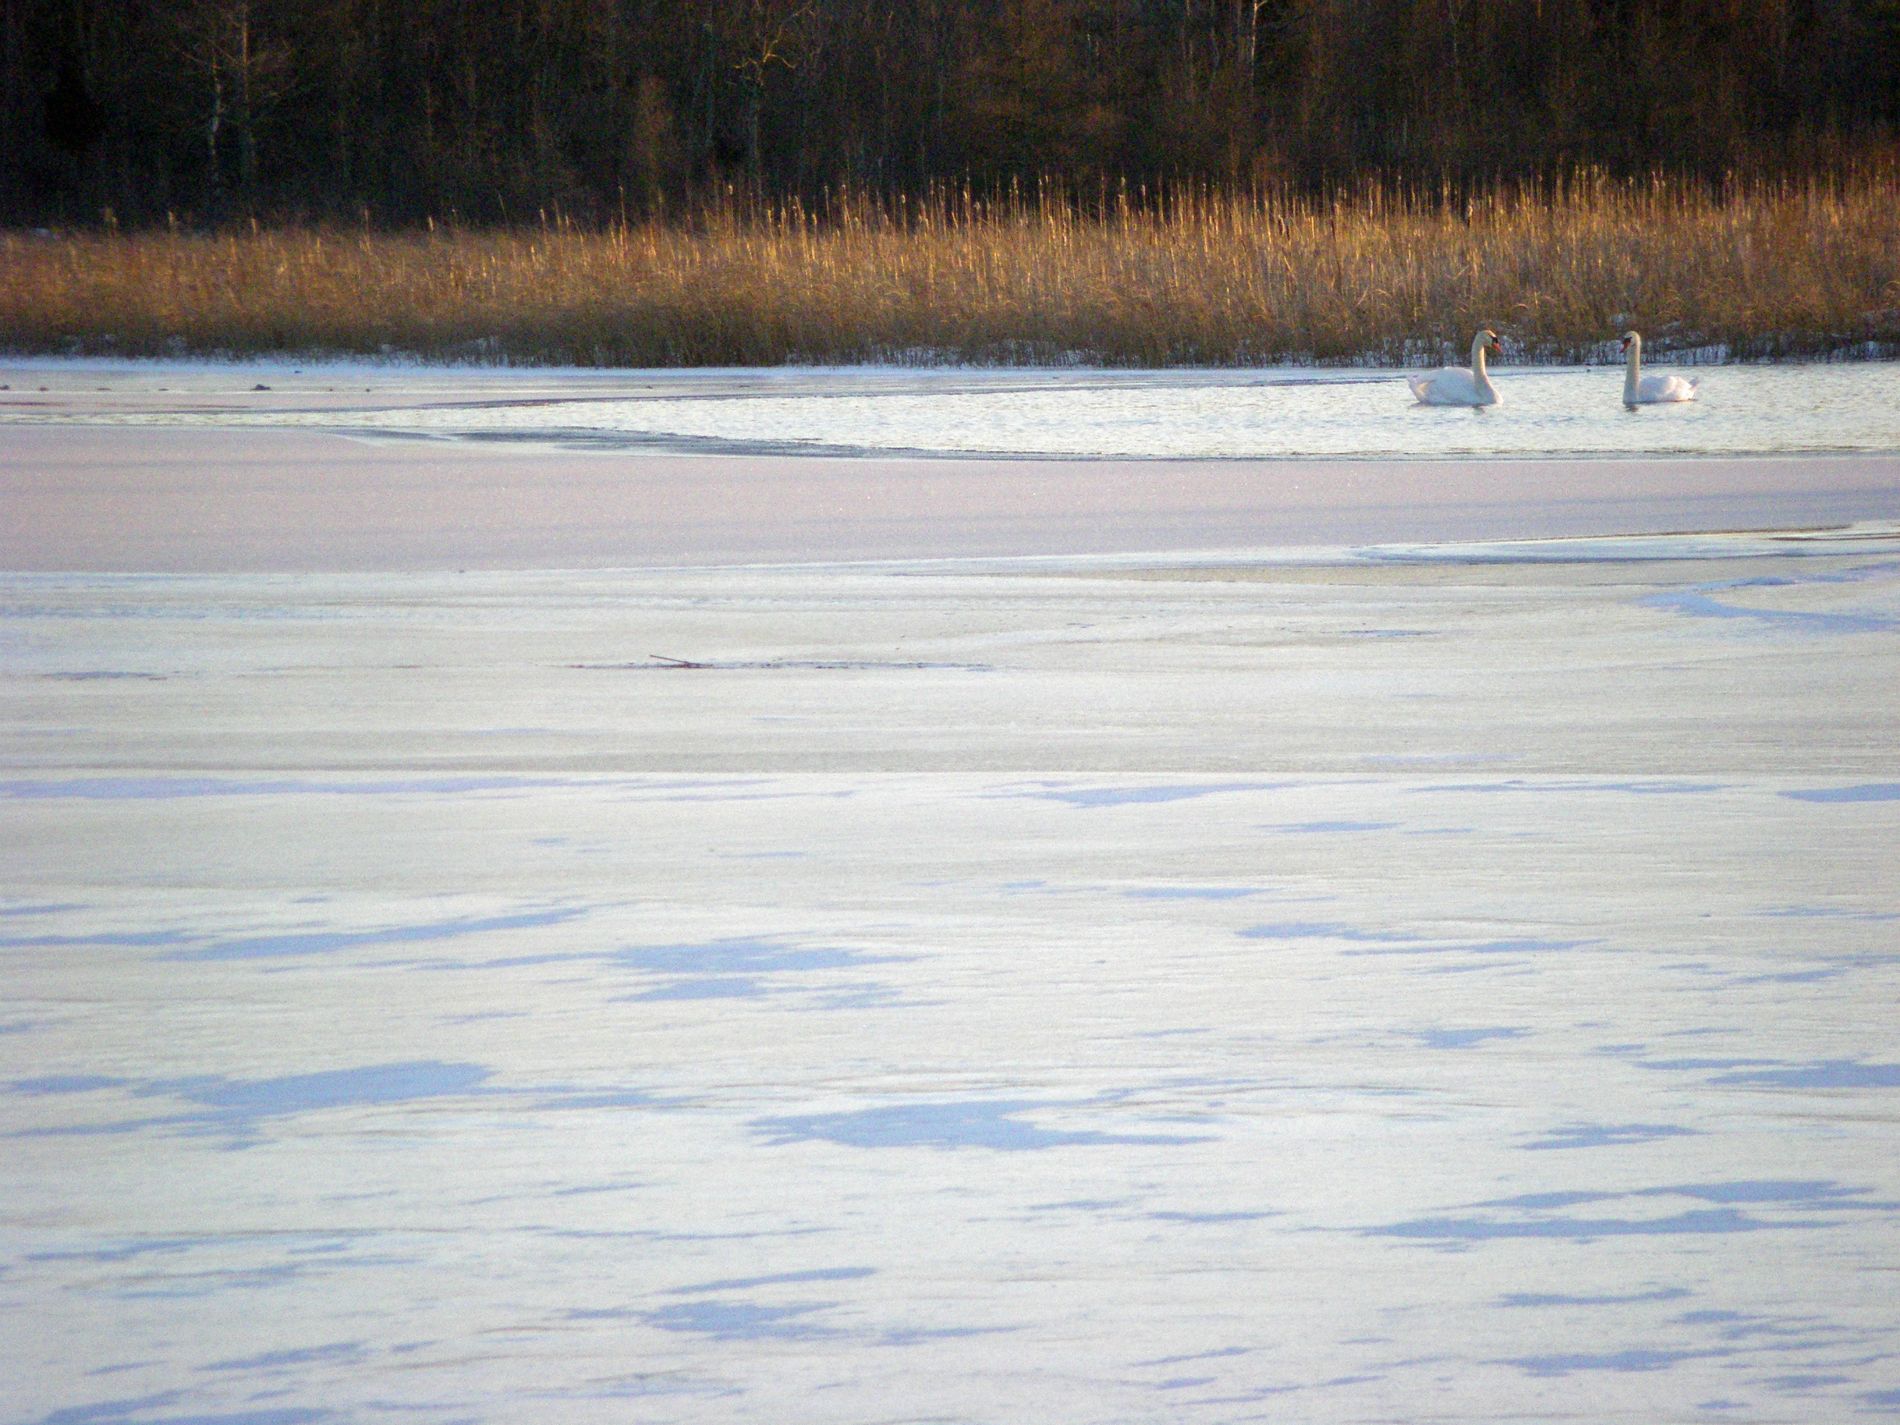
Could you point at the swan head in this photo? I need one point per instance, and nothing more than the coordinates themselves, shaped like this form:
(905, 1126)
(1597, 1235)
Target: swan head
(1631, 339)
(1488, 339)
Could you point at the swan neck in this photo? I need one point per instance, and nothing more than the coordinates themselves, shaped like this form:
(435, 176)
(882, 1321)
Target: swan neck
(1631, 370)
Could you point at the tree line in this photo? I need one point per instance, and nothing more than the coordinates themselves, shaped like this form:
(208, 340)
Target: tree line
(396, 111)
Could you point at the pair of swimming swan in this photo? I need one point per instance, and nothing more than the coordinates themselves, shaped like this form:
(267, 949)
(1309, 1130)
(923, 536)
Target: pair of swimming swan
(1471, 385)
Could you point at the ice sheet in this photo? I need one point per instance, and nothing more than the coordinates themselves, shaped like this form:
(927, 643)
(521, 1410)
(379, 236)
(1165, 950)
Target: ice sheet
(1348, 982)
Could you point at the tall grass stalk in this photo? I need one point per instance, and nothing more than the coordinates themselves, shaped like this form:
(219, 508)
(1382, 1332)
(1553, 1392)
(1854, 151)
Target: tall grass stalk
(1382, 275)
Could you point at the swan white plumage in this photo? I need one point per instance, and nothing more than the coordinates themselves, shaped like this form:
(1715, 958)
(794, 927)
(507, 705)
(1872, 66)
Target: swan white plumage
(1461, 385)
(1641, 390)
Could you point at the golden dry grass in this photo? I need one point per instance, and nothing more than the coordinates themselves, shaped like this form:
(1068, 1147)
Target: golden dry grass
(1382, 275)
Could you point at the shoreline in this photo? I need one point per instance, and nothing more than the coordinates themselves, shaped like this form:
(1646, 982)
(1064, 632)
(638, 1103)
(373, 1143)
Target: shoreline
(1844, 351)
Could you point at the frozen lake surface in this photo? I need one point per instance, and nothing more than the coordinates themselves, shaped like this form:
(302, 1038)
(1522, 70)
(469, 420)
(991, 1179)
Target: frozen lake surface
(1402, 979)
(1847, 407)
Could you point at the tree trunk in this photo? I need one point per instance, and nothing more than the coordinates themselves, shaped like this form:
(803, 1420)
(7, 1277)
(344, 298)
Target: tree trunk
(214, 125)
(246, 112)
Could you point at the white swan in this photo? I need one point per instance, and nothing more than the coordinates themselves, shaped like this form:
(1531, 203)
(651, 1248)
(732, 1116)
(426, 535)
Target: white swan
(1641, 390)
(1461, 385)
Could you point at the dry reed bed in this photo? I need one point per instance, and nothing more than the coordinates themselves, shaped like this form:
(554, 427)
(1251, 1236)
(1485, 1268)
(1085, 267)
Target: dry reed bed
(1380, 276)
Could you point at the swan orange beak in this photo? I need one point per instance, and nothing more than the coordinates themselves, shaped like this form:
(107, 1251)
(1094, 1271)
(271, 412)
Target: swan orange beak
(1626, 344)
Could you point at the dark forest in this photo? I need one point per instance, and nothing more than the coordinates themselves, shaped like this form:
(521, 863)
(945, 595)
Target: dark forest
(395, 111)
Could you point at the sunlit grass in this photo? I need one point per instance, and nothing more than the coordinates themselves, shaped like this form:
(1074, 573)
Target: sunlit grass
(1381, 275)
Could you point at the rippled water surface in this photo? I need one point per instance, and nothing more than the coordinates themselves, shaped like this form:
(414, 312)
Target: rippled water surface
(1846, 407)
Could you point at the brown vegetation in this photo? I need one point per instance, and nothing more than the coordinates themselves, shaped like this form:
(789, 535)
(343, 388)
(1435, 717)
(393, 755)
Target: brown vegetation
(1197, 277)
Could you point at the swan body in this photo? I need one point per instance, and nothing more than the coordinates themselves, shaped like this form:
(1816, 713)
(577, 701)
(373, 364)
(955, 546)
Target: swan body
(1641, 390)
(1461, 385)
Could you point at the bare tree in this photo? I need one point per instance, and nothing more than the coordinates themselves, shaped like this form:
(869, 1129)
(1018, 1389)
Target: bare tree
(763, 34)
(245, 74)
